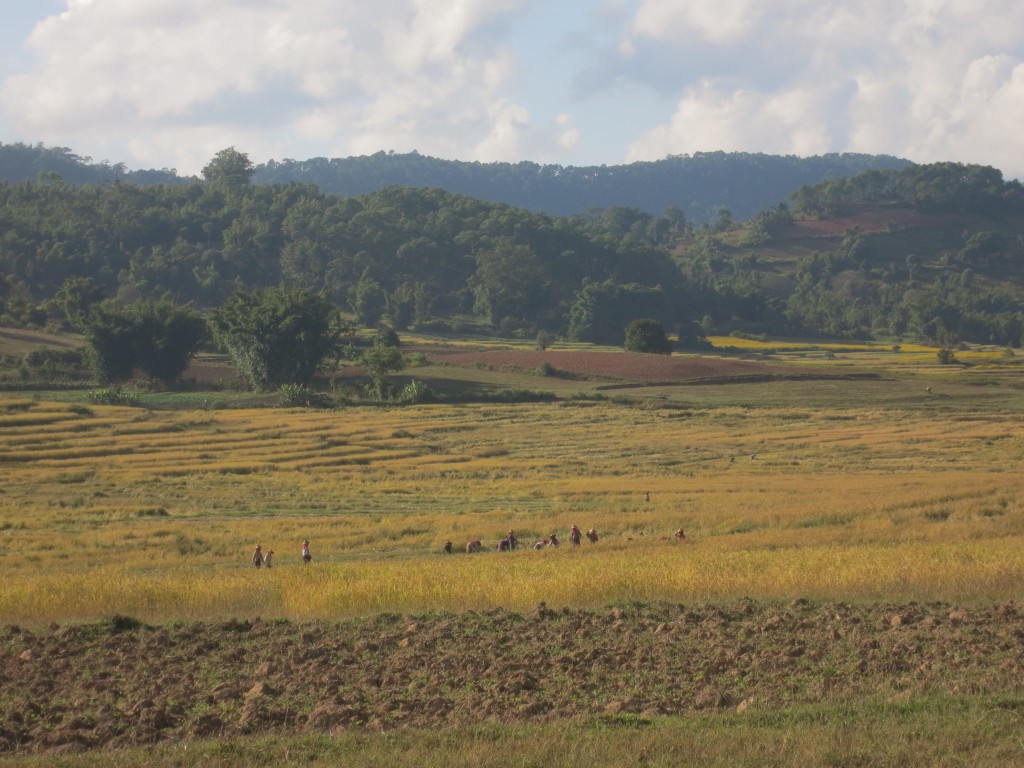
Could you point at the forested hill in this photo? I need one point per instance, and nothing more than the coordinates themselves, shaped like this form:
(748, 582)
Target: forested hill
(700, 185)
(926, 251)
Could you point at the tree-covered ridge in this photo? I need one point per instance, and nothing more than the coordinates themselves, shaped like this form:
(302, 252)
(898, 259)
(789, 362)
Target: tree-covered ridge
(412, 254)
(927, 252)
(26, 162)
(942, 188)
(700, 185)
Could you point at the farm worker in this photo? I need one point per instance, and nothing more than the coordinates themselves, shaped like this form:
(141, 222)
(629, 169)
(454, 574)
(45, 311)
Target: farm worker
(553, 540)
(448, 547)
(541, 544)
(680, 535)
(512, 541)
(257, 557)
(592, 535)
(267, 558)
(473, 546)
(647, 495)
(574, 535)
(306, 557)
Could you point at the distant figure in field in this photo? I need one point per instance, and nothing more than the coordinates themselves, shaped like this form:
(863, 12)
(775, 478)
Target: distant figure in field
(447, 547)
(574, 535)
(647, 495)
(592, 535)
(541, 544)
(504, 546)
(680, 535)
(513, 542)
(257, 557)
(473, 546)
(268, 558)
(553, 540)
(928, 390)
(306, 557)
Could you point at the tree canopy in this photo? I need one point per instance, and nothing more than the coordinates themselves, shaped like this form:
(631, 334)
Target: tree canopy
(277, 336)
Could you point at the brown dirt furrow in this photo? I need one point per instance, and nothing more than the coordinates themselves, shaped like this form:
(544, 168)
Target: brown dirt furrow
(118, 683)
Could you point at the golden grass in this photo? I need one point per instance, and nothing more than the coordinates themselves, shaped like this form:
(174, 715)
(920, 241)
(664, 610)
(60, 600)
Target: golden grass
(155, 514)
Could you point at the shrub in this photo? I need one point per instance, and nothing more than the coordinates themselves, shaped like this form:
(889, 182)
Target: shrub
(299, 396)
(647, 335)
(416, 392)
(112, 396)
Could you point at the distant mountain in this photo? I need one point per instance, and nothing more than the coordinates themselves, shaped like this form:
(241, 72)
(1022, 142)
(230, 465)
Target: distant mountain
(700, 185)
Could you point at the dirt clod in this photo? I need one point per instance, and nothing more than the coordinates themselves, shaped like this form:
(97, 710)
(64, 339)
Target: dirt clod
(71, 688)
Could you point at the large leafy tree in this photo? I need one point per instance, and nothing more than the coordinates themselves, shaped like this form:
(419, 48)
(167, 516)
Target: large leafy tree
(158, 338)
(277, 336)
(229, 167)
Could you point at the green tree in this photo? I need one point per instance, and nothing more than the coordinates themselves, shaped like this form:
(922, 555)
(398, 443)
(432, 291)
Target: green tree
(158, 338)
(277, 336)
(75, 296)
(368, 300)
(647, 335)
(169, 337)
(380, 360)
(600, 310)
(229, 168)
(401, 306)
(111, 338)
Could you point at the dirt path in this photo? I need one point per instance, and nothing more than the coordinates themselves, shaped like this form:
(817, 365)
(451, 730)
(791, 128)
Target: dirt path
(118, 683)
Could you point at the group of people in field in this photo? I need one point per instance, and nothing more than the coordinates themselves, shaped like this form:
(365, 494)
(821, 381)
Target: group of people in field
(266, 560)
(511, 542)
(507, 544)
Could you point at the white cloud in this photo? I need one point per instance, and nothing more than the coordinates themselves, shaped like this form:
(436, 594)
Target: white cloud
(569, 135)
(185, 78)
(925, 79)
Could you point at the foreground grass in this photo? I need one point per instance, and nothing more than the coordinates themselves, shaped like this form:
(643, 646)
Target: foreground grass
(936, 731)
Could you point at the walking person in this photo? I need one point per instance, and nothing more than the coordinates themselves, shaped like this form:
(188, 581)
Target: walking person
(257, 557)
(268, 558)
(574, 535)
(306, 557)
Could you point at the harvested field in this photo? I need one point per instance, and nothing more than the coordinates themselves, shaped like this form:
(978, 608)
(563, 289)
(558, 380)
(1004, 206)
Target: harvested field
(118, 683)
(614, 365)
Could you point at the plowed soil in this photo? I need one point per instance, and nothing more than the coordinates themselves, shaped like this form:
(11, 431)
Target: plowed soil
(119, 683)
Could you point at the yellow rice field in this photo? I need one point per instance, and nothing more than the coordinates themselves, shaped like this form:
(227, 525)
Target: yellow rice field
(155, 513)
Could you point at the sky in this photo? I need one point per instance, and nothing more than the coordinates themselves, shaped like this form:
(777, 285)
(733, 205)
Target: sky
(168, 83)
